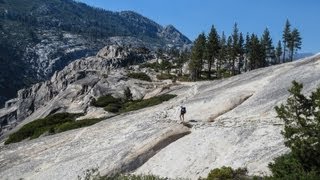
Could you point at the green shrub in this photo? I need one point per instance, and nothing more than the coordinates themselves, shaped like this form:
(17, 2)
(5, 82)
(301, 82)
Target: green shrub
(184, 78)
(140, 75)
(37, 127)
(224, 173)
(77, 124)
(104, 101)
(64, 127)
(165, 76)
(155, 66)
(94, 174)
(301, 116)
(114, 105)
(52, 124)
(113, 108)
(127, 94)
(285, 166)
(140, 104)
(227, 173)
(133, 177)
(224, 73)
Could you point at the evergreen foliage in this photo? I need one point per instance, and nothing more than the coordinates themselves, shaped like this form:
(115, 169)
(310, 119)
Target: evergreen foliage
(118, 105)
(225, 173)
(127, 94)
(197, 55)
(286, 38)
(212, 47)
(140, 104)
(235, 48)
(266, 42)
(294, 43)
(165, 65)
(105, 100)
(235, 54)
(94, 174)
(301, 116)
(51, 124)
(139, 75)
(222, 55)
(256, 53)
(278, 53)
(241, 52)
(289, 167)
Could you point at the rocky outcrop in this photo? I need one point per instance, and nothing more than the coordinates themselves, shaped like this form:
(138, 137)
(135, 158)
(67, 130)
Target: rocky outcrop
(173, 36)
(45, 36)
(72, 89)
(245, 131)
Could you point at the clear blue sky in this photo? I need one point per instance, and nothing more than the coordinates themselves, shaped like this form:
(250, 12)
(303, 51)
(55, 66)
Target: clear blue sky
(192, 17)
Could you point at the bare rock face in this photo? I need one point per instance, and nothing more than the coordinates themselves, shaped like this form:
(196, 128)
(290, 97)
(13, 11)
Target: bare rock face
(231, 122)
(112, 52)
(243, 130)
(72, 89)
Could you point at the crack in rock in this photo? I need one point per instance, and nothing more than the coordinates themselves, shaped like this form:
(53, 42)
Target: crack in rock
(148, 151)
(234, 103)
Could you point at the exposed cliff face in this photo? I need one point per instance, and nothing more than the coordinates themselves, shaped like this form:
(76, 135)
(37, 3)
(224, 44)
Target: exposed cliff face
(173, 36)
(72, 89)
(233, 123)
(40, 37)
(56, 50)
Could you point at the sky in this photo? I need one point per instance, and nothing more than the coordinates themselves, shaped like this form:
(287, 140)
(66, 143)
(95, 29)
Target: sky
(191, 17)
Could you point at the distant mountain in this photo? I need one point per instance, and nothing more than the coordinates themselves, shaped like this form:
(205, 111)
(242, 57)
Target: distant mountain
(302, 55)
(39, 37)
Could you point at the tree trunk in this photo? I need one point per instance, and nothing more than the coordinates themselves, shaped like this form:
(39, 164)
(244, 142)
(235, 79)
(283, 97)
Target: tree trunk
(245, 64)
(233, 69)
(218, 71)
(209, 68)
(291, 55)
(239, 64)
(284, 52)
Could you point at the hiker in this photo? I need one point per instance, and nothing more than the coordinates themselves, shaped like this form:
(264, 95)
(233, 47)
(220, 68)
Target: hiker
(182, 112)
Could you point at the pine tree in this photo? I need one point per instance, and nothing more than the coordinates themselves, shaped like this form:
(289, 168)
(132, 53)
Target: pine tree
(301, 116)
(294, 42)
(230, 55)
(247, 50)
(235, 46)
(256, 53)
(285, 38)
(212, 48)
(159, 53)
(197, 55)
(278, 52)
(183, 57)
(266, 42)
(241, 53)
(222, 56)
(127, 94)
(166, 65)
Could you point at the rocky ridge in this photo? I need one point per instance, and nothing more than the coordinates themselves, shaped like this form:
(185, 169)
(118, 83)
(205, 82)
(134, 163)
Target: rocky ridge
(80, 81)
(43, 36)
(232, 123)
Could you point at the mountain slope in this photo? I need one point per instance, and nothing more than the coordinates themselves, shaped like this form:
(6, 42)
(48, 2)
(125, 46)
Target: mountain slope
(43, 36)
(234, 124)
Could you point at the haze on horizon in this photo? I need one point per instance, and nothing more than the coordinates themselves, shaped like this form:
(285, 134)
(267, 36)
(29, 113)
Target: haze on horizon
(193, 17)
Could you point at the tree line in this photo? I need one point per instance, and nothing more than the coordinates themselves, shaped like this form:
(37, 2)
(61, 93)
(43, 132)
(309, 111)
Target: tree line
(217, 56)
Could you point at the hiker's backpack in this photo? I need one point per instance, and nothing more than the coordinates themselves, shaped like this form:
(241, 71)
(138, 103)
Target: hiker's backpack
(183, 110)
